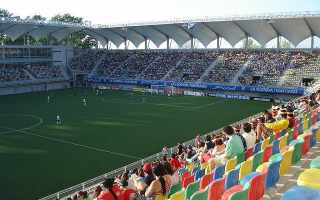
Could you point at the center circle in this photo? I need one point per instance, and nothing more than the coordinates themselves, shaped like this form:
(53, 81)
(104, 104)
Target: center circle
(10, 123)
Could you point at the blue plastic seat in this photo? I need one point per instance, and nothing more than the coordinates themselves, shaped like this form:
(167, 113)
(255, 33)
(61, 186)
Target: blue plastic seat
(273, 174)
(301, 193)
(248, 177)
(232, 178)
(218, 172)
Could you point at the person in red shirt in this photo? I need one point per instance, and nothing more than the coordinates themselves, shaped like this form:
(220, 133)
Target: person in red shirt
(111, 192)
(175, 163)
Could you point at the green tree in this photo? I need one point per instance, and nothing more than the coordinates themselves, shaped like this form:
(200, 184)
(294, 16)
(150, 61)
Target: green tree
(5, 13)
(36, 17)
(285, 44)
(77, 39)
(251, 44)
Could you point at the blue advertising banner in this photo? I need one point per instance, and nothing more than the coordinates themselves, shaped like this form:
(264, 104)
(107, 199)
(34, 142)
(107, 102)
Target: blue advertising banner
(211, 86)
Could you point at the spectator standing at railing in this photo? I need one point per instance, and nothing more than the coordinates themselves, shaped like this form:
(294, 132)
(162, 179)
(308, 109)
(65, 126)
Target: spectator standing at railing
(110, 191)
(249, 135)
(279, 125)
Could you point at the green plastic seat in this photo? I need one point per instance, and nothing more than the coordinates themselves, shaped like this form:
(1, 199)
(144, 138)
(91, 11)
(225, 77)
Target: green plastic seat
(241, 195)
(191, 189)
(241, 157)
(296, 156)
(290, 136)
(175, 188)
(271, 138)
(257, 160)
(200, 195)
(315, 163)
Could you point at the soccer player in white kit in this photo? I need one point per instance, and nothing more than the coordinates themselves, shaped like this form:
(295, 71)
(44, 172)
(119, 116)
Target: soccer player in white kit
(48, 99)
(58, 120)
(84, 101)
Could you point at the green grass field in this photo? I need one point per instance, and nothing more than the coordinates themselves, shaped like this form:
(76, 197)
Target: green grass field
(38, 158)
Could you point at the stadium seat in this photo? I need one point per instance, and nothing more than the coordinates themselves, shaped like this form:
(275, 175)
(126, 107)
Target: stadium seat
(272, 176)
(187, 180)
(315, 163)
(177, 196)
(205, 181)
(248, 153)
(283, 141)
(256, 190)
(290, 136)
(216, 189)
(231, 164)
(257, 148)
(191, 189)
(200, 195)
(240, 195)
(256, 160)
(218, 172)
(310, 178)
(245, 168)
(160, 197)
(265, 143)
(275, 147)
(301, 193)
(286, 162)
(198, 174)
(240, 158)
(229, 192)
(267, 153)
(313, 140)
(175, 188)
(232, 178)
(296, 156)
(306, 144)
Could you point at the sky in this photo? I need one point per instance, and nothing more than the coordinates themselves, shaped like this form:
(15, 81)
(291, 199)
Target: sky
(128, 11)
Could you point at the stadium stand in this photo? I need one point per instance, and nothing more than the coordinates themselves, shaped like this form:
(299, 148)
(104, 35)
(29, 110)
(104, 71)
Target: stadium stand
(9, 73)
(193, 172)
(272, 67)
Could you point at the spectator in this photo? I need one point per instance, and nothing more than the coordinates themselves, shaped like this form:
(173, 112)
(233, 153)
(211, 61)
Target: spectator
(161, 185)
(248, 135)
(234, 145)
(109, 193)
(279, 125)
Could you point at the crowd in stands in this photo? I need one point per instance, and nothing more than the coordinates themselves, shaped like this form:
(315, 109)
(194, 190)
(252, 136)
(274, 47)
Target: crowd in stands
(10, 73)
(249, 67)
(85, 60)
(134, 65)
(159, 68)
(192, 66)
(44, 71)
(157, 177)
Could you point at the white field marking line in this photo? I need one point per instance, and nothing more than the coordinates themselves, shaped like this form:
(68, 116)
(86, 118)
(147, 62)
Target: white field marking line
(22, 129)
(74, 144)
(207, 105)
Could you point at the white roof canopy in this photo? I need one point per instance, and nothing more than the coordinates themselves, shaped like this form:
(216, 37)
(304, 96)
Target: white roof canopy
(262, 28)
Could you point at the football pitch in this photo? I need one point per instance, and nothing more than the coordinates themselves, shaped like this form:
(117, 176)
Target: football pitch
(38, 157)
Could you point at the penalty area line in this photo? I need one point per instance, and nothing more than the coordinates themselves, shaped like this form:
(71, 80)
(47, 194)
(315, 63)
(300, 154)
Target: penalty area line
(74, 143)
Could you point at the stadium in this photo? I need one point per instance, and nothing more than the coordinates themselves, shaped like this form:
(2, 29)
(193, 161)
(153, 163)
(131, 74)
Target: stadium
(188, 109)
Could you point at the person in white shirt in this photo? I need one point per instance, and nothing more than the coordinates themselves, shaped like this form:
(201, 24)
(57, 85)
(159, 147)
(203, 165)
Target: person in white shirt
(58, 120)
(84, 100)
(249, 135)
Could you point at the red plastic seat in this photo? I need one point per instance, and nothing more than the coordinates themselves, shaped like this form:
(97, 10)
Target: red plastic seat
(230, 191)
(187, 180)
(306, 144)
(216, 189)
(205, 181)
(267, 153)
(249, 153)
(257, 188)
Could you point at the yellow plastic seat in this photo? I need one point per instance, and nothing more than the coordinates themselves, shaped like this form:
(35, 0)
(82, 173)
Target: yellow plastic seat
(310, 178)
(318, 135)
(245, 168)
(160, 197)
(231, 164)
(283, 142)
(285, 162)
(190, 167)
(177, 196)
(265, 143)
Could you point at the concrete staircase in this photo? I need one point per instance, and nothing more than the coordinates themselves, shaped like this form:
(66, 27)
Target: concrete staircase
(32, 76)
(210, 68)
(235, 79)
(98, 63)
(173, 68)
